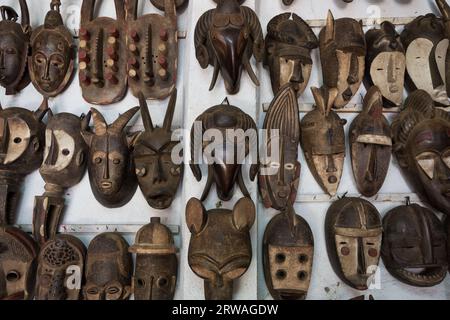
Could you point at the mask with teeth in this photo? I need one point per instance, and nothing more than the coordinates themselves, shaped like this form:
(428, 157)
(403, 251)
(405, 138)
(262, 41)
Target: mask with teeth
(414, 247)
(353, 234)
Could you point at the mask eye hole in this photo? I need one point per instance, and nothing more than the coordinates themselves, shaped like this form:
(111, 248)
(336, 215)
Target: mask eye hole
(17, 140)
(141, 172)
(289, 166)
(373, 252)
(13, 276)
(302, 275)
(98, 160)
(92, 291)
(11, 51)
(162, 282)
(116, 161)
(66, 152)
(275, 165)
(281, 274)
(426, 162)
(345, 251)
(303, 258)
(113, 290)
(140, 283)
(280, 258)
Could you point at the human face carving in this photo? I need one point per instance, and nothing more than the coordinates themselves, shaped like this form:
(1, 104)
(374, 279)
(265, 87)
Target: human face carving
(12, 51)
(350, 75)
(295, 72)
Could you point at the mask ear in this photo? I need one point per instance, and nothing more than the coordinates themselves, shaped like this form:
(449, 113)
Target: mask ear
(196, 216)
(132, 138)
(244, 214)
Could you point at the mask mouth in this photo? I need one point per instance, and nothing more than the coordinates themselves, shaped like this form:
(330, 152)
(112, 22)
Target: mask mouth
(106, 185)
(347, 94)
(394, 89)
(424, 276)
(292, 294)
(161, 200)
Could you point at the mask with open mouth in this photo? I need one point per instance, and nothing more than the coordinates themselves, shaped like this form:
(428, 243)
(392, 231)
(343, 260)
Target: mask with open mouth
(414, 246)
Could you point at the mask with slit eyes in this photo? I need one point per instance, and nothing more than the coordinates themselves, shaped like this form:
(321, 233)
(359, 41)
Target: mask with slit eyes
(353, 234)
(421, 136)
(414, 246)
(370, 145)
(220, 250)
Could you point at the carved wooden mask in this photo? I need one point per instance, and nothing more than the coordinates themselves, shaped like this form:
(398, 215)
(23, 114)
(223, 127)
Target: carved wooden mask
(59, 260)
(288, 252)
(226, 38)
(445, 10)
(220, 250)
(353, 235)
(279, 188)
(108, 268)
(110, 162)
(102, 55)
(323, 141)
(421, 136)
(370, 145)
(386, 63)
(14, 45)
(414, 246)
(158, 176)
(18, 253)
(156, 270)
(288, 51)
(342, 53)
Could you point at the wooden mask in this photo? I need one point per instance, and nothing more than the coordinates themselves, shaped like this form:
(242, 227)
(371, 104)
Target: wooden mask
(226, 38)
(14, 45)
(18, 253)
(59, 261)
(156, 270)
(220, 250)
(288, 252)
(353, 235)
(421, 136)
(426, 49)
(342, 53)
(52, 59)
(108, 268)
(323, 141)
(445, 10)
(386, 63)
(414, 239)
(288, 51)
(110, 162)
(158, 177)
(370, 145)
(102, 55)
(279, 188)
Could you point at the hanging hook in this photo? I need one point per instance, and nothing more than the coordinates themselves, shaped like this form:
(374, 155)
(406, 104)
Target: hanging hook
(55, 5)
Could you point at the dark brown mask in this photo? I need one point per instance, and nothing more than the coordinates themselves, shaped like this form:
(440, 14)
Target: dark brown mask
(226, 38)
(108, 268)
(353, 234)
(323, 141)
(414, 239)
(60, 269)
(279, 178)
(110, 164)
(18, 254)
(220, 249)
(370, 145)
(102, 55)
(288, 51)
(288, 251)
(445, 10)
(156, 271)
(158, 176)
(14, 45)
(342, 53)
(421, 136)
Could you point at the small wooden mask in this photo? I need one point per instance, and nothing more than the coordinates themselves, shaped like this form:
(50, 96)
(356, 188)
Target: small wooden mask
(102, 55)
(288, 51)
(18, 254)
(421, 136)
(156, 270)
(158, 176)
(14, 46)
(108, 268)
(59, 260)
(224, 173)
(353, 235)
(323, 141)
(370, 145)
(386, 63)
(220, 250)
(226, 38)
(342, 53)
(110, 162)
(279, 188)
(288, 252)
(414, 239)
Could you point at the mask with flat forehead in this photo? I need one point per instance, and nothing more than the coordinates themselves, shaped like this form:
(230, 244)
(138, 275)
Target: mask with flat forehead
(158, 176)
(421, 136)
(342, 53)
(156, 271)
(370, 145)
(220, 250)
(288, 51)
(353, 236)
(110, 164)
(414, 246)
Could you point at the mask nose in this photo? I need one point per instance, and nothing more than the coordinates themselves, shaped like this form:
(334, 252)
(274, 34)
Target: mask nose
(158, 174)
(362, 268)
(330, 164)
(353, 73)
(45, 75)
(106, 170)
(392, 77)
(297, 75)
